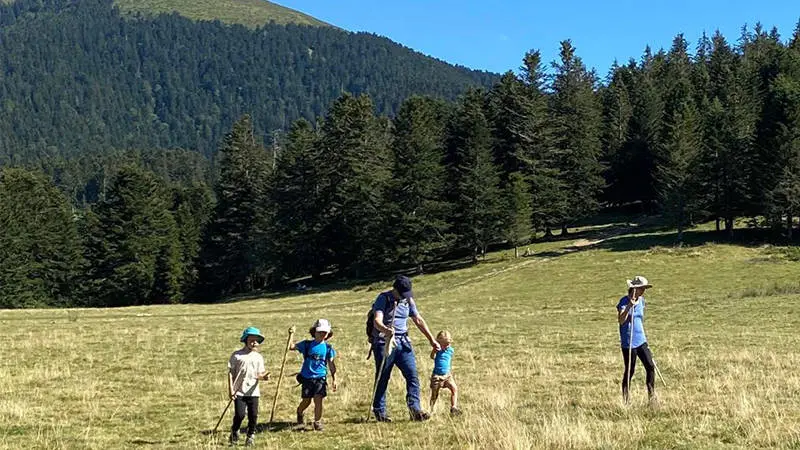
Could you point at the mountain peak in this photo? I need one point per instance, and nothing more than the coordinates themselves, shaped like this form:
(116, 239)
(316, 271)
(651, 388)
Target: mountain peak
(250, 13)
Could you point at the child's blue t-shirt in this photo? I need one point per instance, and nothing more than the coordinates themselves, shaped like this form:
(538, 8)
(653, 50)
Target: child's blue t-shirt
(315, 357)
(441, 363)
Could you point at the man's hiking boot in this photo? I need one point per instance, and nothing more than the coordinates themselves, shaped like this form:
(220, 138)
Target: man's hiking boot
(233, 439)
(382, 417)
(455, 412)
(250, 441)
(318, 426)
(419, 416)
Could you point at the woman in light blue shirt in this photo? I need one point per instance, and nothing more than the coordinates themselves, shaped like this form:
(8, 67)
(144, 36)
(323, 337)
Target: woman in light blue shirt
(630, 311)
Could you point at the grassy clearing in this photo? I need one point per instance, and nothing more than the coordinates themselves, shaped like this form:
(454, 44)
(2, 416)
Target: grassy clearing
(251, 13)
(537, 359)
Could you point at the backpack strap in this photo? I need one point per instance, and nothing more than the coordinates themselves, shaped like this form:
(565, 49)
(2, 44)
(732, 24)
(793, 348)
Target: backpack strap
(328, 347)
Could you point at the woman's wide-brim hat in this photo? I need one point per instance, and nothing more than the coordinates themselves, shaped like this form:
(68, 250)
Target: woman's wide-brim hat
(639, 282)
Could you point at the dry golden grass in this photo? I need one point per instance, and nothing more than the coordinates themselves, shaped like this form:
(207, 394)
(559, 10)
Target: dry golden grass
(537, 360)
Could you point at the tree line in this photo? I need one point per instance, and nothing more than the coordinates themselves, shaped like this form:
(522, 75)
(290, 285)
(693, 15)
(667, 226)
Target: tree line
(708, 135)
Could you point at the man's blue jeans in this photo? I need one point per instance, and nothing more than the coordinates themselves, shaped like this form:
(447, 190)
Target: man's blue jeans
(403, 357)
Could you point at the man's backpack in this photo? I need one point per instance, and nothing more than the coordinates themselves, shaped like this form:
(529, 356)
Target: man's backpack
(370, 325)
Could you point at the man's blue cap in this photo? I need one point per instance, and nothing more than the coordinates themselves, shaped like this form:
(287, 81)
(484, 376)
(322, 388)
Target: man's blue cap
(403, 285)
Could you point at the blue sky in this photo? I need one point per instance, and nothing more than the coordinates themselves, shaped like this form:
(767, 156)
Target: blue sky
(494, 35)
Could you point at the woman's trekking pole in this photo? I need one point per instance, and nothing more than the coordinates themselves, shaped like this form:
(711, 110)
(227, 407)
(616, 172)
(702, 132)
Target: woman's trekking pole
(659, 373)
(387, 348)
(627, 393)
(280, 376)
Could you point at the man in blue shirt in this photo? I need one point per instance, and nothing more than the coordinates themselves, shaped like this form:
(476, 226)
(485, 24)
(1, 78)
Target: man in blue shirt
(398, 303)
(630, 315)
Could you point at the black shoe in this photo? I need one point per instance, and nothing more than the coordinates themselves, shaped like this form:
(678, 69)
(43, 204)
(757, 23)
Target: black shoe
(382, 417)
(233, 439)
(419, 416)
(455, 412)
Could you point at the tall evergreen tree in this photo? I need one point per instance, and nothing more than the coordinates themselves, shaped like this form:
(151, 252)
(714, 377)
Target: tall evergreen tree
(681, 138)
(522, 138)
(617, 114)
(474, 176)
(296, 196)
(729, 129)
(133, 247)
(40, 255)
(192, 208)
(517, 226)
(576, 119)
(643, 149)
(232, 258)
(784, 198)
(417, 189)
(354, 167)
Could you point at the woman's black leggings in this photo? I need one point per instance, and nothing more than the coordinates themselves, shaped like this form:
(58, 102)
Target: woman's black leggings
(643, 353)
(239, 405)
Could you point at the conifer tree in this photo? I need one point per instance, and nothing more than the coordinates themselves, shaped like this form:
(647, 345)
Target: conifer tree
(133, 245)
(295, 193)
(232, 258)
(417, 203)
(40, 254)
(576, 120)
(354, 170)
(474, 176)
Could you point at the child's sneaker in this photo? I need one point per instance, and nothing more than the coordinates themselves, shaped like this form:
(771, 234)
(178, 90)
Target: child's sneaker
(251, 440)
(318, 426)
(455, 412)
(233, 439)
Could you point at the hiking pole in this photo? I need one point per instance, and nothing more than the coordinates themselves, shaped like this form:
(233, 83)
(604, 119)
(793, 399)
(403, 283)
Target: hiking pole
(280, 376)
(630, 352)
(659, 373)
(387, 348)
(226, 406)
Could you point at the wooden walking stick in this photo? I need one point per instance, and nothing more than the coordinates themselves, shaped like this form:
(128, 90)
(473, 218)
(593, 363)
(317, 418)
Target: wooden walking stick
(222, 416)
(387, 348)
(228, 405)
(280, 376)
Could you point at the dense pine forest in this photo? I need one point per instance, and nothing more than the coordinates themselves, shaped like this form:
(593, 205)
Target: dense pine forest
(78, 76)
(707, 131)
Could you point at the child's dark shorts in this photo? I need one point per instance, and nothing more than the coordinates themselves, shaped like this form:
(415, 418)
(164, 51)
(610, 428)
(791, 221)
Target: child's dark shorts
(313, 387)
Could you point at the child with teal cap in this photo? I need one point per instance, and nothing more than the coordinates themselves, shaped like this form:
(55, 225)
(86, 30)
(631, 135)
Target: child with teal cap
(245, 369)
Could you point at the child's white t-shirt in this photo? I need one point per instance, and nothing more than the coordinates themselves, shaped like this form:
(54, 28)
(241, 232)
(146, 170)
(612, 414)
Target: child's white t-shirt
(244, 367)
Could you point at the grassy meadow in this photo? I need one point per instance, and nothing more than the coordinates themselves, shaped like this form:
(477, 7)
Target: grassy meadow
(537, 358)
(250, 13)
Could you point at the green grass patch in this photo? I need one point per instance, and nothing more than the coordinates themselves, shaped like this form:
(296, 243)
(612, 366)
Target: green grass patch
(537, 358)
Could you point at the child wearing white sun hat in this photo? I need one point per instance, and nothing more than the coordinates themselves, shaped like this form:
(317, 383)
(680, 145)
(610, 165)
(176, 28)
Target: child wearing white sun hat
(318, 361)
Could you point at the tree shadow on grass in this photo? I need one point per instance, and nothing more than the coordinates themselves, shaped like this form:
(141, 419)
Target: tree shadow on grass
(746, 237)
